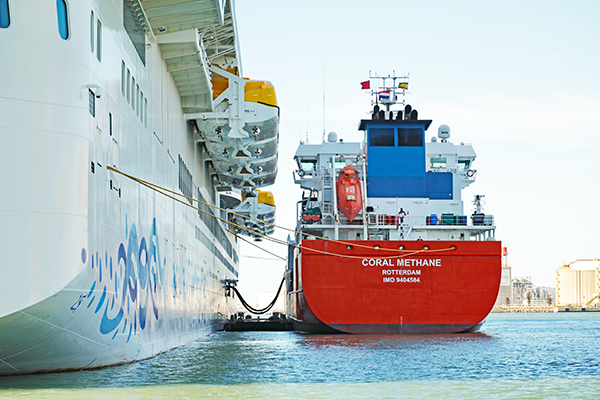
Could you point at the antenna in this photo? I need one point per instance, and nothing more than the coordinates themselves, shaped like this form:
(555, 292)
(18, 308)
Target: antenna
(306, 101)
(387, 89)
(477, 202)
(323, 100)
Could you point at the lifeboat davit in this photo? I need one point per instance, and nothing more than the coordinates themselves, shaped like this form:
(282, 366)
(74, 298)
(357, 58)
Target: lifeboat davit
(349, 198)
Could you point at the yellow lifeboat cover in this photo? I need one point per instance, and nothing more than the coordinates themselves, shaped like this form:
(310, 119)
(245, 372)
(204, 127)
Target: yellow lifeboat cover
(264, 198)
(254, 91)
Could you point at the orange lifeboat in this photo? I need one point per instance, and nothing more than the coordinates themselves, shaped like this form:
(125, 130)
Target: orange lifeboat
(349, 198)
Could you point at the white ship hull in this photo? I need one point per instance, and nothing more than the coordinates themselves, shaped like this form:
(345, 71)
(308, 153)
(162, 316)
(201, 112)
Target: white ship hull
(96, 269)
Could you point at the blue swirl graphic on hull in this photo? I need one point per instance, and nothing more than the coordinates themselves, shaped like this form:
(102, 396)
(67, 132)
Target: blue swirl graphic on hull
(129, 288)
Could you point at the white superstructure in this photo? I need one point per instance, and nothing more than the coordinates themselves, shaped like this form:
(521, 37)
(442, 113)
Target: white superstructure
(96, 268)
(411, 188)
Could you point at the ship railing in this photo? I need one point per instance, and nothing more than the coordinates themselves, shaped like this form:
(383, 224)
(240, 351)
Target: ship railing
(342, 220)
(442, 169)
(431, 220)
(311, 178)
(465, 174)
(327, 207)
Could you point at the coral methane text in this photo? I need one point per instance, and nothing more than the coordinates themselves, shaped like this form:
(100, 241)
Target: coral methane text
(402, 262)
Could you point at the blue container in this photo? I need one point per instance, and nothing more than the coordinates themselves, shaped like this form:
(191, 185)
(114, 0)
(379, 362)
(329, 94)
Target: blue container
(463, 219)
(448, 219)
(434, 220)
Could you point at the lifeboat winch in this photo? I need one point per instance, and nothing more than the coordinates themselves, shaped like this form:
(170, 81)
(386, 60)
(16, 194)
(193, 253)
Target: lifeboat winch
(241, 135)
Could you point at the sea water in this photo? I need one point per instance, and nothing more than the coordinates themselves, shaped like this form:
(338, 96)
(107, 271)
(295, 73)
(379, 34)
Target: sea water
(521, 356)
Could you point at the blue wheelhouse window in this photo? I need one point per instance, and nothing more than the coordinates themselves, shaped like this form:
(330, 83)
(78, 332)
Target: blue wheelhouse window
(410, 137)
(63, 18)
(381, 137)
(4, 16)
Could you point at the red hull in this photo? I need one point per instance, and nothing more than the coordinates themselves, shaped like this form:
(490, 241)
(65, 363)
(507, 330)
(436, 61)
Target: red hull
(439, 290)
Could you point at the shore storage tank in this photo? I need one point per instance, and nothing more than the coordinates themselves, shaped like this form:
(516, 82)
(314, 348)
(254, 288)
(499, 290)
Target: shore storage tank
(578, 283)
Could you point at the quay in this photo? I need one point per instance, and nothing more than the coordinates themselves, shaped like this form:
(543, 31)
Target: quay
(576, 309)
(541, 309)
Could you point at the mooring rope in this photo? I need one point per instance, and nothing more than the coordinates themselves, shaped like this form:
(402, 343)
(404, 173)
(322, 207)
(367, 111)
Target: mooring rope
(167, 192)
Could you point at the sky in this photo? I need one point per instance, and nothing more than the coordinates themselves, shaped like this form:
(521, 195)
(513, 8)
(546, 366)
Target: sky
(519, 80)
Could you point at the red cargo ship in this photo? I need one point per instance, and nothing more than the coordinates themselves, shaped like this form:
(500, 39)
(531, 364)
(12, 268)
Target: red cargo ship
(405, 260)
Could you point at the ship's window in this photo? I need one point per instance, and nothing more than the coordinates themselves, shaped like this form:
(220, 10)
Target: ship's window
(63, 18)
(186, 182)
(133, 98)
(110, 124)
(123, 78)
(339, 164)
(137, 99)
(145, 113)
(128, 84)
(381, 137)
(141, 106)
(92, 103)
(463, 165)
(92, 20)
(438, 162)
(134, 30)
(99, 41)
(308, 166)
(410, 137)
(4, 14)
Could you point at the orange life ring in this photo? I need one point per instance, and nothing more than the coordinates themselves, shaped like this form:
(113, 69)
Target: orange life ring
(470, 173)
(402, 213)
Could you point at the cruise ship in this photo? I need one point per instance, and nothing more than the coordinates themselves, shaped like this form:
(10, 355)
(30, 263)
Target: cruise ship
(132, 156)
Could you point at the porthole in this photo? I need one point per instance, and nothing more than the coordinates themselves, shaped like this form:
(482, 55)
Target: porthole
(123, 78)
(4, 14)
(99, 40)
(128, 84)
(92, 20)
(137, 100)
(141, 106)
(133, 98)
(63, 18)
